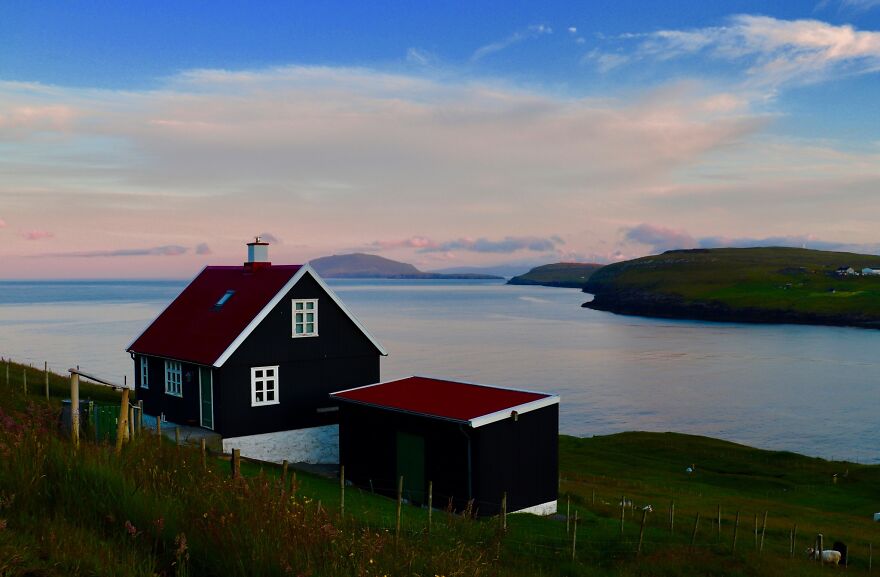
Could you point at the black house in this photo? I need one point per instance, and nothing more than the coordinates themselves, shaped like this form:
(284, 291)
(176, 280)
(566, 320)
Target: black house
(472, 442)
(253, 349)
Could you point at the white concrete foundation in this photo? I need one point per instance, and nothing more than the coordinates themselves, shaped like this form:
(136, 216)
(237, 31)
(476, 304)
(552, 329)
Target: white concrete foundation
(548, 508)
(316, 445)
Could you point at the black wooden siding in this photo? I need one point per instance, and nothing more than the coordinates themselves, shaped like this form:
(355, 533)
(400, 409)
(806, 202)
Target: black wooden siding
(520, 457)
(310, 368)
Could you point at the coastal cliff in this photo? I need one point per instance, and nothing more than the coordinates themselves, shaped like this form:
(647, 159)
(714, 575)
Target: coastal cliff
(755, 285)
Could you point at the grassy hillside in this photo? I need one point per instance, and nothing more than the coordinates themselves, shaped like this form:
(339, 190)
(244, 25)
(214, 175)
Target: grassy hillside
(748, 284)
(560, 274)
(361, 265)
(156, 510)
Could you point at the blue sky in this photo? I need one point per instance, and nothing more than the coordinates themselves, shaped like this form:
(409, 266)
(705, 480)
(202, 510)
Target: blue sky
(440, 133)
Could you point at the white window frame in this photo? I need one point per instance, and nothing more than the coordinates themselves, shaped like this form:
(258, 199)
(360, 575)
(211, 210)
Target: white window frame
(174, 376)
(263, 380)
(303, 311)
(145, 373)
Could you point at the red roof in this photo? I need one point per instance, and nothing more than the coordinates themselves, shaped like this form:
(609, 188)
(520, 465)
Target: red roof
(444, 399)
(194, 329)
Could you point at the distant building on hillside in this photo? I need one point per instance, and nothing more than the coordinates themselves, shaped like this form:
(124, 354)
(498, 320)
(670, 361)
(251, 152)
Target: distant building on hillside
(845, 271)
(871, 272)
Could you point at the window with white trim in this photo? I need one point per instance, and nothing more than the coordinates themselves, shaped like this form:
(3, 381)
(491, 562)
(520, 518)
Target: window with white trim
(264, 386)
(173, 378)
(305, 318)
(145, 373)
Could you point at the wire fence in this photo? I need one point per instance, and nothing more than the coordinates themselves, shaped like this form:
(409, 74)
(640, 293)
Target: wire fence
(579, 531)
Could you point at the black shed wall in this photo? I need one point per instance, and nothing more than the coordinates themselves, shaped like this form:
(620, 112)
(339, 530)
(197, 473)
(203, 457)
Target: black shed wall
(368, 449)
(520, 457)
(184, 409)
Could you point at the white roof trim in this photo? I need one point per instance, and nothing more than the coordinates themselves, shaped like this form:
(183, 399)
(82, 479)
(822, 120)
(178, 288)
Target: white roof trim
(162, 312)
(520, 409)
(255, 322)
(476, 421)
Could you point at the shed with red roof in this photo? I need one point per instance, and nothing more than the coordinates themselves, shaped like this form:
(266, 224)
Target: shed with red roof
(253, 349)
(472, 442)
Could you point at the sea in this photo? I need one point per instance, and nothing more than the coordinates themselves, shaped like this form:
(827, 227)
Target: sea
(809, 389)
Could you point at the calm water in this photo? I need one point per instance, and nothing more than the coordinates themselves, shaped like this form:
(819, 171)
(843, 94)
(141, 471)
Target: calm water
(814, 390)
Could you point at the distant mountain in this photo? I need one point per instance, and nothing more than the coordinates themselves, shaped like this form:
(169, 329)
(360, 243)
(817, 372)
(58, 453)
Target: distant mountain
(361, 265)
(505, 270)
(560, 274)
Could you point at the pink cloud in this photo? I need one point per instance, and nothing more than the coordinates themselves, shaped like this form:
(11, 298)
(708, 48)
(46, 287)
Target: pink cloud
(37, 234)
(411, 242)
(203, 248)
(2, 223)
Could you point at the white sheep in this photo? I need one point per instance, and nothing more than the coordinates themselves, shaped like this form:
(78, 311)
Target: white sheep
(828, 555)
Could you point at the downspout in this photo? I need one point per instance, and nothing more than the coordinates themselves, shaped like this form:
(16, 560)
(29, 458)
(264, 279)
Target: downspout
(469, 469)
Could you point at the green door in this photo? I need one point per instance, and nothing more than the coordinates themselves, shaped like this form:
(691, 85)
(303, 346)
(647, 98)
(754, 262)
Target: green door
(411, 465)
(206, 389)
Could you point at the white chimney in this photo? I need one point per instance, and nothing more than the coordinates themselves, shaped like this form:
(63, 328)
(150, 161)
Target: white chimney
(258, 252)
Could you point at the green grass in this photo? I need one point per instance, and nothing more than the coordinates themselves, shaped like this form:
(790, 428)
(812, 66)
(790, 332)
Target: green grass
(768, 279)
(155, 510)
(560, 274)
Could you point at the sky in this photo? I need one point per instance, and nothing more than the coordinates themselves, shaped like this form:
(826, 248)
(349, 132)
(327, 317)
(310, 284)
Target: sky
(150, 138)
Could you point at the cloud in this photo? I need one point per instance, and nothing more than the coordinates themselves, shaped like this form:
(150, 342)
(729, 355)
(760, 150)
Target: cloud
(659, 238)
(529, 33)
(167, 250)
(505, 245)
(37, 234)
(851, 5)
(420, 57)
(2, 223)
(420, 242)
(572, 30)
(269, 237)
(202, 248)
(774, 52)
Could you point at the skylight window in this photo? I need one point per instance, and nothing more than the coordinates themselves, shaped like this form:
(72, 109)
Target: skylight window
(224, 298)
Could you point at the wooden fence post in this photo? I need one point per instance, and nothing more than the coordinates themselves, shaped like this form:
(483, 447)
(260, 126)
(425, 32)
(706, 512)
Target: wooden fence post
(820, 548)
(719, 521)
(141, 415)
(622, 512)
(236, 463)
(121, 425)
(177, 436)
(870, 556)
(574, 537)
(399, 505)
(284, 466)
(756, 531)
(7, 372)
(159, 428)
(46, 374)
(672, 517)
(342, 490)
(794, 540)
(132, 429)
(694, 534)
(24, 380)
(568, 515)
(763, 531)
(74, 408)
(504, 511)
(735, 530)
(204, 450)
(642, 531)
(430, 503)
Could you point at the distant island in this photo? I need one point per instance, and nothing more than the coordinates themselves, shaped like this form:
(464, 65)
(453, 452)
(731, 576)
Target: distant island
(761, 285)
(560, 274)
(361, 265)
